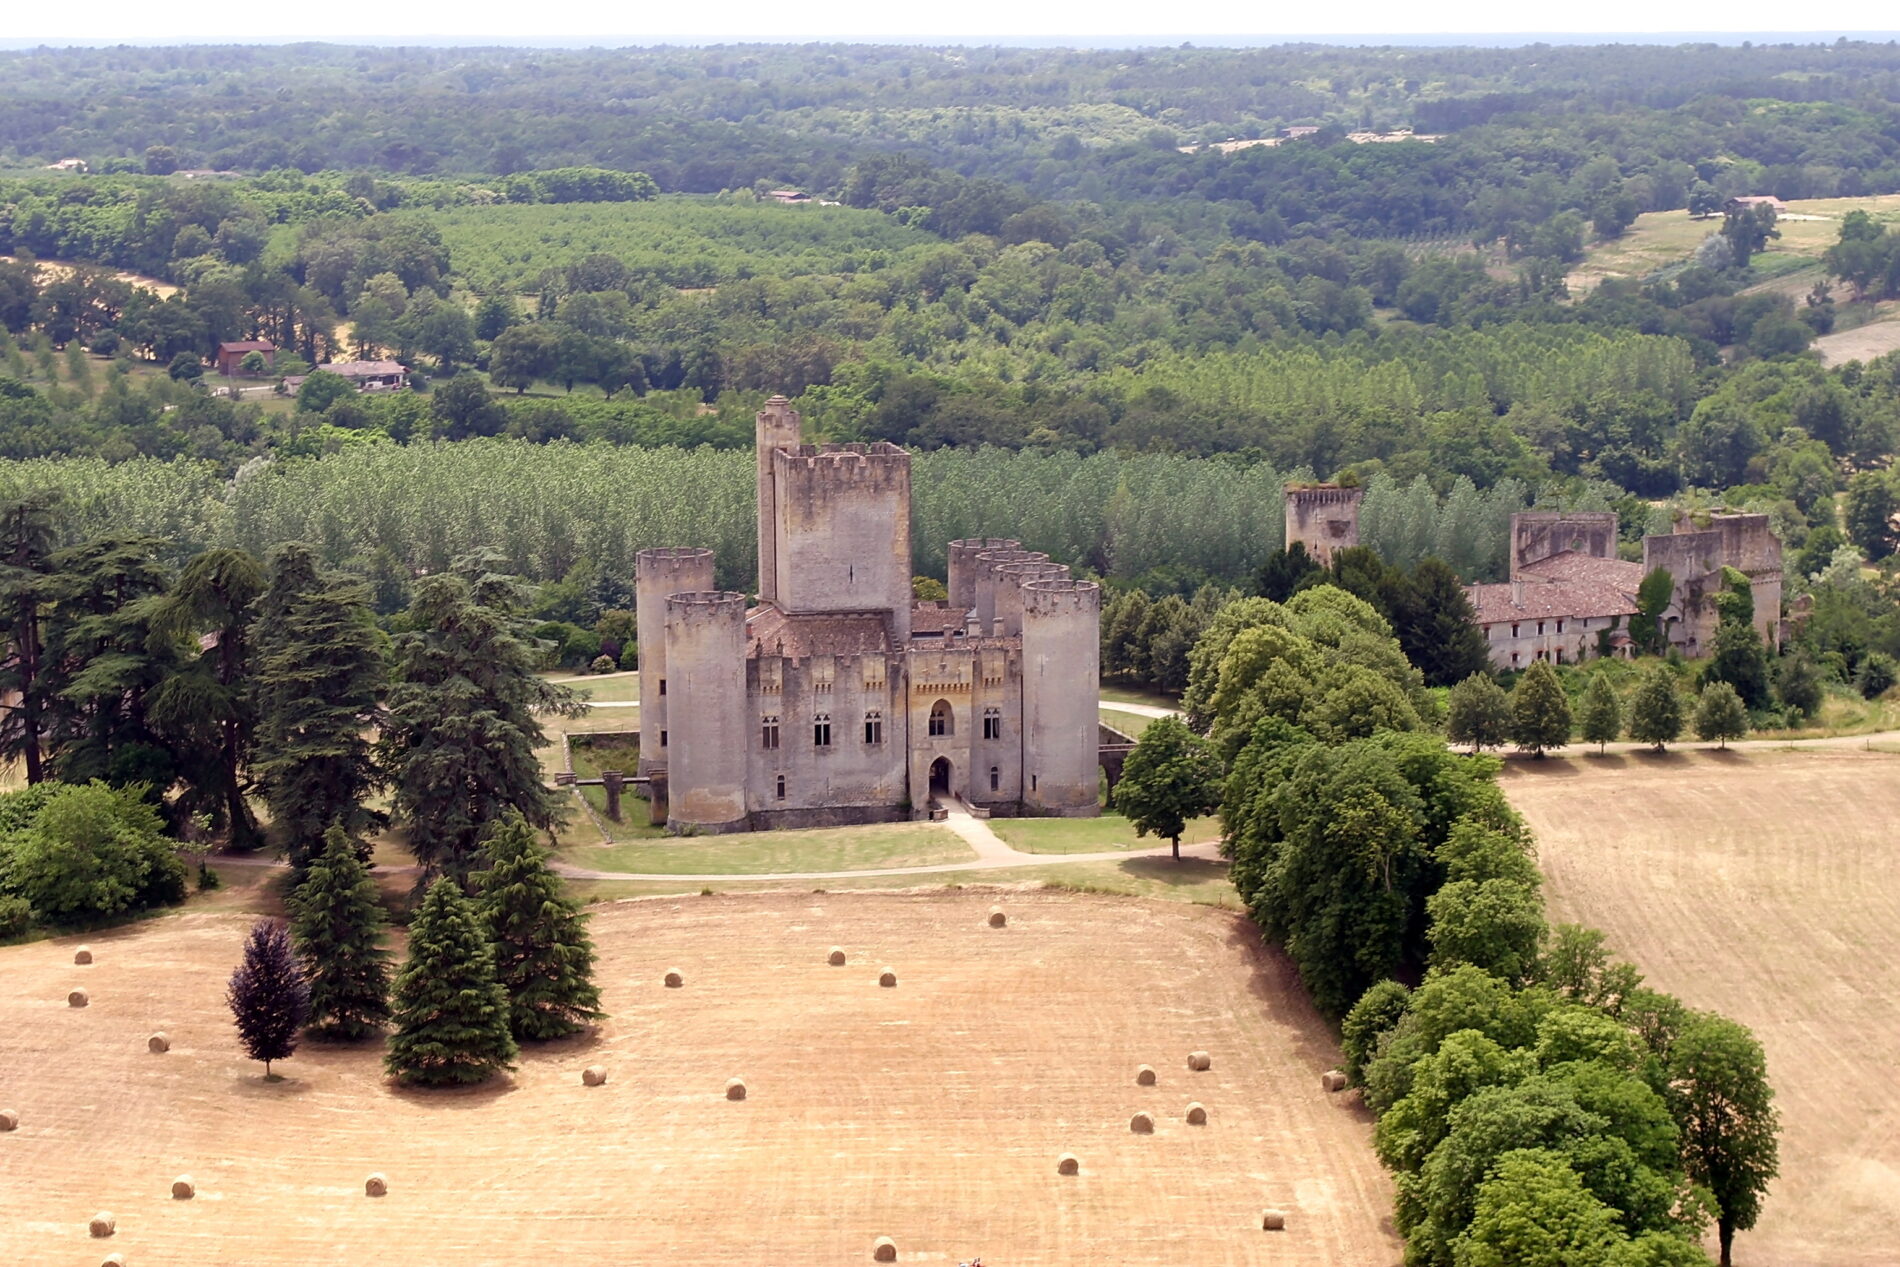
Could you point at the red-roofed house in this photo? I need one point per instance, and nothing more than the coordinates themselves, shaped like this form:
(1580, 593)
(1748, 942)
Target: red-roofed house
(231, 355)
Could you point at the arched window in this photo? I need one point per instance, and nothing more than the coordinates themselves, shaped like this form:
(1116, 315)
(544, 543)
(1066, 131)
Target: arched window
(942, 722)
(874, 727)
(992, 723)
(821, 731)
(996, 777)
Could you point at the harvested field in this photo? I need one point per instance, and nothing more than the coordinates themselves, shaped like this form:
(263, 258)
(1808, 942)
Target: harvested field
(932, 1114)
(1863, 343)
(1762, 885)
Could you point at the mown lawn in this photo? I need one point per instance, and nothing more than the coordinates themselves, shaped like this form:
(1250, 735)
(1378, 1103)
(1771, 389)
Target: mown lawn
(766, 852)
(1090, 835)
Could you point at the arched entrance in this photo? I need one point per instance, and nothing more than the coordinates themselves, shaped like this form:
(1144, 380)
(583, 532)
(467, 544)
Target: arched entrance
(940, 779)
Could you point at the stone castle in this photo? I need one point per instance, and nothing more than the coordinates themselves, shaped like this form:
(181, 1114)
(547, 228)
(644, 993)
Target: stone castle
(840, 699)
(1323, 518)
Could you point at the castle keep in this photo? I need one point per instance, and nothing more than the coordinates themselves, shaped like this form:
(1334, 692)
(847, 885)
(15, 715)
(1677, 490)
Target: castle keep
(837, 698)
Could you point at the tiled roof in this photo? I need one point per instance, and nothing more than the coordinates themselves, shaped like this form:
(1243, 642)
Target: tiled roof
(1570, 565)
(935, 618)
(364, 369)
(248, 345)
(1548, 600)
(771, 632)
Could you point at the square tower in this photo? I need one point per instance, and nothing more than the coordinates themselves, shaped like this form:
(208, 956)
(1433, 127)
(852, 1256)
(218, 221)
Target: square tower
(1323, 518)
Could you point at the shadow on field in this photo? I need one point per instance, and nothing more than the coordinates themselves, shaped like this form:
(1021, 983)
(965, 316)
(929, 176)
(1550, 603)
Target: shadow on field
(455, 1098)
(1175, 871)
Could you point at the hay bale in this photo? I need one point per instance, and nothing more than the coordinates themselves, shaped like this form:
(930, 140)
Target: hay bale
(377, 1185)
(1273, 1220)
(183, 1189)
(1141, 1124)
(735, 1088)
(594, 1076)
(673, 979)
(997, 918)
(1200, 1061)
(103, 1224)
(159, 1042)
(1068, 1165)
(78, 998)
(1145, 1076)
(83, 955)
(112, 1260)
(9, 1120)
(884, 1250)
(1333, 1080)
(887, 978)
(836, 957)
(1196, 1115)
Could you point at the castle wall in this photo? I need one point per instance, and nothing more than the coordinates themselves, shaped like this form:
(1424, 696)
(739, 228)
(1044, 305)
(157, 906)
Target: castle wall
(1538, 534)
(843, 531)
(847, 780)
(1010, 579)
(777, 426)
(963, 567)
(1695, 558)
(706, 670)
(1323, 518)
(972, 679)
(658, 574)
(1061, 705)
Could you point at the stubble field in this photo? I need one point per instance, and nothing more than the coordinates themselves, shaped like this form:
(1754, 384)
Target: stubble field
(1762, 885)
(933, 1113)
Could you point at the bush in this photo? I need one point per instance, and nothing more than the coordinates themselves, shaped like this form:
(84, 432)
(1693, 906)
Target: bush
(92, 852)
(16, 916)
(604, 664)
(1876, 675)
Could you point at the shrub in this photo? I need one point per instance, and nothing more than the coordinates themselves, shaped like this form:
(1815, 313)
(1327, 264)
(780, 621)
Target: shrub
(1876, 676)
(603, 664)
(91, 852)
(16, 916)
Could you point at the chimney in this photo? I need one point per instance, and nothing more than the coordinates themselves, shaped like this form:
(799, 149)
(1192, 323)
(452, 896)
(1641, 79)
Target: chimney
(1517, 593)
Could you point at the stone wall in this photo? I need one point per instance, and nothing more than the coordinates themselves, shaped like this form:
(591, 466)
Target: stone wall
(843, 530)
(659, 574)
(1323, 518)
(706, 672)
(1538, 534)
(1061, 697)
(846, 774)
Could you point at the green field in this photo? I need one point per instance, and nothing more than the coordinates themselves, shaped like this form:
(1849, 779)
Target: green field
(683, 241)
(619, 688)
(1661, 239)
(768, 852)
(1090, 835)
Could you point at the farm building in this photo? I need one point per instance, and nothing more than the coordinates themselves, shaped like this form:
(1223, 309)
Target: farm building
(231, 355)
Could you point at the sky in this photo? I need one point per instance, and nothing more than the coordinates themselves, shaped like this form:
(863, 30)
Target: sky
(1090, 22)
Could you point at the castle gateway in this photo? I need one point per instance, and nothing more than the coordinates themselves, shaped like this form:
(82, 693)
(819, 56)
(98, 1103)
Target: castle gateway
(838, 698)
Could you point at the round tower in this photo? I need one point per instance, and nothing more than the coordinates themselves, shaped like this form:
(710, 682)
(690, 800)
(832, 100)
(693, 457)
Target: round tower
(657, 574)
(963, 567)
(705, 663)
(986, 564)
(1062, 622)
(1010, 579)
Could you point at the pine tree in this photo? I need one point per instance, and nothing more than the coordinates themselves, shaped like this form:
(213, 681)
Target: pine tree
(29, 526)
(268, 995)
(1719, 714)
(1655, 708)
(451, 1013)
(1437, 626)
(1602, 712)
(543, 957)
(320, 669)
(1540, 713)
(337, 925)
(1478, 712)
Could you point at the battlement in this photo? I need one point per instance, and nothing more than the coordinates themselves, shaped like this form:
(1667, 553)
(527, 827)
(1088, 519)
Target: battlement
(707, 603)
(1061, 596)
(1323, 495)
(665, 559)
(1323, 518)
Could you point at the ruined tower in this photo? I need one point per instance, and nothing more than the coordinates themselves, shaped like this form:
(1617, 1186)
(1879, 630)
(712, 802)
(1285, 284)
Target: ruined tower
(1537, 535)
(1323, 518)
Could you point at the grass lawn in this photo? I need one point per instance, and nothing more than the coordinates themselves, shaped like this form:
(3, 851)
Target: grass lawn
(609, 751)
(765, 852)
(1130, 724)
(616, 688)
(1090, 835)
(1126, 695)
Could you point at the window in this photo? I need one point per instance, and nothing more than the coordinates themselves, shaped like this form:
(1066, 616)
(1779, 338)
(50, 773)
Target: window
(768, 733)
(1032, 782)
(940, 719)
(1513, 631)
(1514, 659)
(821, 731)
(1540, 628)
(992, 723)
(874, 727)
(662, 739)
(1560, 655)
(781, 787)
(1560, 626)
(662, 686)
(996, 778)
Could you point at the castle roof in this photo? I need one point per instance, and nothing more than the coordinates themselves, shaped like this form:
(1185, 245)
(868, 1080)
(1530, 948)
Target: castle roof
(1571, 565)
(1548, 600)
(936, 618)
(771, 632)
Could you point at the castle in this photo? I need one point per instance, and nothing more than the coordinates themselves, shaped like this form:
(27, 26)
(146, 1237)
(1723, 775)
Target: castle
(840, 699)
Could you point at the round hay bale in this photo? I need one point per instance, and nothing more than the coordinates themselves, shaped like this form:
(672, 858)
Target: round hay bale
(103, 1224)
(9, 1120)
(594, 1076)
(887, 978)
(377, 1185)
(1196, 1115)
(1332, 1080)
(183, 1189)
(735, 1088)
(112, 1260)
(1141, 1124)
(1200, 1061)
(1273, 1220)
(884, 1250)
(159, 1042)
(83, 955)
(997, 918)
(1068, 1165)
(78, 998)
(1145, 1076)
(673, 979)
(836, 957)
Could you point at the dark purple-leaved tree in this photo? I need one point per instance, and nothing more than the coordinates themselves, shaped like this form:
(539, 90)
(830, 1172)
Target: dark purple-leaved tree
(269, 997)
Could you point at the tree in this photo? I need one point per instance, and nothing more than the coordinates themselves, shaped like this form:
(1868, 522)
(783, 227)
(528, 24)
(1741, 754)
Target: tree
(451, 1013)
(254, 364)
(85, 852)
(1653, 596)
(1798, 684)
(462, 721)
(186, 367)
(521, 354)
(1747, 229)
(1737, 656)
(1540, 712)
(1719, 1095)
(543, 957)
(1285, 573)
(1437, 626)
(1171, 776)
(1478, 712)
(1533, 1210)
(495, 313)
(320, 670)
(1602, 714)
(461, 408)
(1719, 714)
(320, 389)
(28, 530)
(1704, 201)
(1876, 675)
(337, 926)
(1869, 512)
(1655, 708)
(268, 995)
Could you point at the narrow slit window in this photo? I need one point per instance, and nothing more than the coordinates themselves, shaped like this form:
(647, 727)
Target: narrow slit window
(996, 778)
(781, 787)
